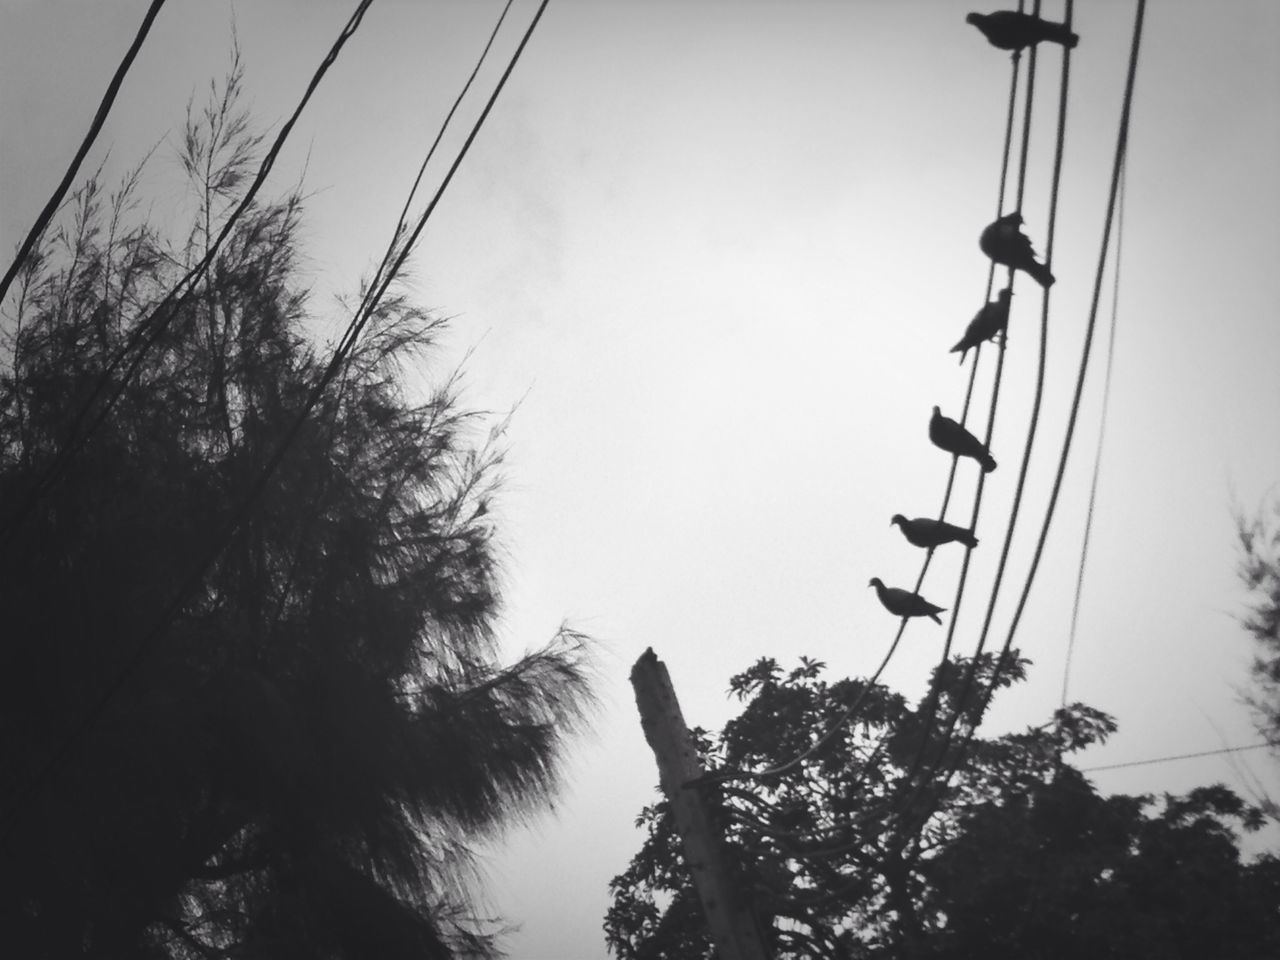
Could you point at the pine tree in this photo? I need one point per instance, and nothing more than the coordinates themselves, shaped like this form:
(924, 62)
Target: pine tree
(297, 763)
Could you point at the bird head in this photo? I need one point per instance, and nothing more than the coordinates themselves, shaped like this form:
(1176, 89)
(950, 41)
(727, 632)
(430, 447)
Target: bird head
(875, 582)
(897, 519)
(975, 18)
(937, 411)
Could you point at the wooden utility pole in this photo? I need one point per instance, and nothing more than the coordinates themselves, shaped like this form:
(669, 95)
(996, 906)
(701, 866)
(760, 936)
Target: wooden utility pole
(733, 927)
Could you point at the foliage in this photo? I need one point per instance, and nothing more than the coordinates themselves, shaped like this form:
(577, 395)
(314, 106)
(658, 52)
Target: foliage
(295, 763)
(1260, 571)
(845, 856)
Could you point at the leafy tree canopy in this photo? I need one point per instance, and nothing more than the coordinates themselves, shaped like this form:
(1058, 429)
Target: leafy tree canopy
(296, 763)
(845, 855)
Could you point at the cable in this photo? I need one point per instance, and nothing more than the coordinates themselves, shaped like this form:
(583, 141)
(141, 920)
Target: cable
(396, 234)
(1122, 142)
(401, 223)
(723, 776)
(104, 107)
(971, 671)
(935, 689)
(1121, 147)
(1180, 756)
(933, 692)
(260, 482)
(158, 318)
(1097, 455)
(1026, 123)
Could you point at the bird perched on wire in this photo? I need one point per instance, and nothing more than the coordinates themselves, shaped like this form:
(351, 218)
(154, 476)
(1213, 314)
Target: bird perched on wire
(904, 603)
(953, 438)
(930, 533)
(992, 319)
(1004, 243)
(1010, 30)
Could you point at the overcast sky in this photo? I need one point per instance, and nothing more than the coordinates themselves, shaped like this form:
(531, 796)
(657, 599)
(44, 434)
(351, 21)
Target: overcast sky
(720, 250)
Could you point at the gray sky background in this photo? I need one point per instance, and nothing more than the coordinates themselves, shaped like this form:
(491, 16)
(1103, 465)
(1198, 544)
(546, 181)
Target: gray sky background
(721, 250)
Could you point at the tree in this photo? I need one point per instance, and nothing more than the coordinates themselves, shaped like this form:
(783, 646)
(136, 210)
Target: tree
(846, 856)
(297, 762)
(1260, 572)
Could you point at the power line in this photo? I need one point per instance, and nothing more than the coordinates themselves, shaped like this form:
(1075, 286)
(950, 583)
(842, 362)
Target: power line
(401, 223)
(104, 107)
(1180, 756)
(388, 255)
(1097, 455)
(1122, 139)
(935, 688)
(1122, 144)
(1037, 399)
(852, 710)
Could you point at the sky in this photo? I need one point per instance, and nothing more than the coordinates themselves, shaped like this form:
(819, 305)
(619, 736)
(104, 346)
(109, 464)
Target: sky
(716, 253)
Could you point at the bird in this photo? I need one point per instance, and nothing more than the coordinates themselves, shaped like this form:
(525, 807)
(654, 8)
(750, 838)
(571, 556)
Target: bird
(953, 438)
(904, 603)
(930, 533)
(1003, 242)
(1010, 30)
(992, 319)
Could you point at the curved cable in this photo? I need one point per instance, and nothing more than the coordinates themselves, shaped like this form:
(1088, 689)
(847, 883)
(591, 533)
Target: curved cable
(104, 107)
(1122, 140)
(1181, 756)
(721, 776)
(1038, 393)
(402, 224)
(935, 688)
(1097, 454)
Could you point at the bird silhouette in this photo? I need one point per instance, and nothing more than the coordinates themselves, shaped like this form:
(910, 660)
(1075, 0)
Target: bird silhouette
(1004, 243)
(904, 603)
(992, 319)
(1010, 30)
(953, 438)
(930, 533)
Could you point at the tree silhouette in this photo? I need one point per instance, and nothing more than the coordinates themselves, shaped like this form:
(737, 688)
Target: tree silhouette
(1016, 856)
(298, 765)
(1260, 571)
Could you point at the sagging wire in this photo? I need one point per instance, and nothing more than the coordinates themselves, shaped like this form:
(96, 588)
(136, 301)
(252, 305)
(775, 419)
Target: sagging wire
(95, 126)
(1122, 140)
(935, 689)
(1102, 433)
(396, 235)
(720, 776)
(961, 704)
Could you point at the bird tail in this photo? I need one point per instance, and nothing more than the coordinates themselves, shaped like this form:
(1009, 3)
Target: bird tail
(988, 463)
(935, 618)
(1039, 272)
(1060, 34)
(961, 348)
